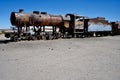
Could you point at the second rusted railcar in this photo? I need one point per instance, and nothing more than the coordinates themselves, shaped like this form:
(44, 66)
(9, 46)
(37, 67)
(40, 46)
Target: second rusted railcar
(93, 26)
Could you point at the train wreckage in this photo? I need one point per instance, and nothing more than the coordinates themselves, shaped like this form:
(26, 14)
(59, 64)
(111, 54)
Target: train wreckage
(41, 25)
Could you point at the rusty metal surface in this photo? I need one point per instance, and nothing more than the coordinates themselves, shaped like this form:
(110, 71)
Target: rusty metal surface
(98, 20)
(20, 19)
(66, 24)
(94, 24)
(79, 25)
(118, 24)
(99, 24)
(46, 20)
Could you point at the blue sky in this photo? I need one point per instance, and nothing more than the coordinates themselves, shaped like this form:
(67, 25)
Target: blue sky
(90, 8)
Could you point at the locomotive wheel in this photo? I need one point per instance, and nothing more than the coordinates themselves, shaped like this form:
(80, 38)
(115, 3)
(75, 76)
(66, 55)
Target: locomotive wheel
(39, 37)
(28, 38)
(14, 38)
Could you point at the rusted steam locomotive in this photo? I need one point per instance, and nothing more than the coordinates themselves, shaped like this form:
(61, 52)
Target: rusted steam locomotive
(31, 26)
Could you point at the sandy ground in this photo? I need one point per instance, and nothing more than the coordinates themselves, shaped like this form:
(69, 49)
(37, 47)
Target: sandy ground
(63, 59)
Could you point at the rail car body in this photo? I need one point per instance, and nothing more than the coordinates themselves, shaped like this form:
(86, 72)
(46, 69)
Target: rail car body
(93, 26)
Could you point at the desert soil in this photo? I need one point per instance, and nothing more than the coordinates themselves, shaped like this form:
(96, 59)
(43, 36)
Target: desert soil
(95, 58)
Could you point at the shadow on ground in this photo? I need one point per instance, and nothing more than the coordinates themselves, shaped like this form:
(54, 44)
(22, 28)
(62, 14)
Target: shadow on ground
(5, 41)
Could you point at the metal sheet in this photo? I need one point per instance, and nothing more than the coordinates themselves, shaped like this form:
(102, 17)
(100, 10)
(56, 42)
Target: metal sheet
(79, 25)
(98, 27)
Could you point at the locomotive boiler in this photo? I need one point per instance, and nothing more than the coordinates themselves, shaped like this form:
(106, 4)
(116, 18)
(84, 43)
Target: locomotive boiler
(36, 19)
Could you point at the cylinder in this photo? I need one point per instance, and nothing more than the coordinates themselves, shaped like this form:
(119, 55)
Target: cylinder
(35, 19)
(19, 19)
(46, 20)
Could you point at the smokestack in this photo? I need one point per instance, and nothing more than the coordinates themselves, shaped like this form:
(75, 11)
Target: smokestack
(21, 10)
